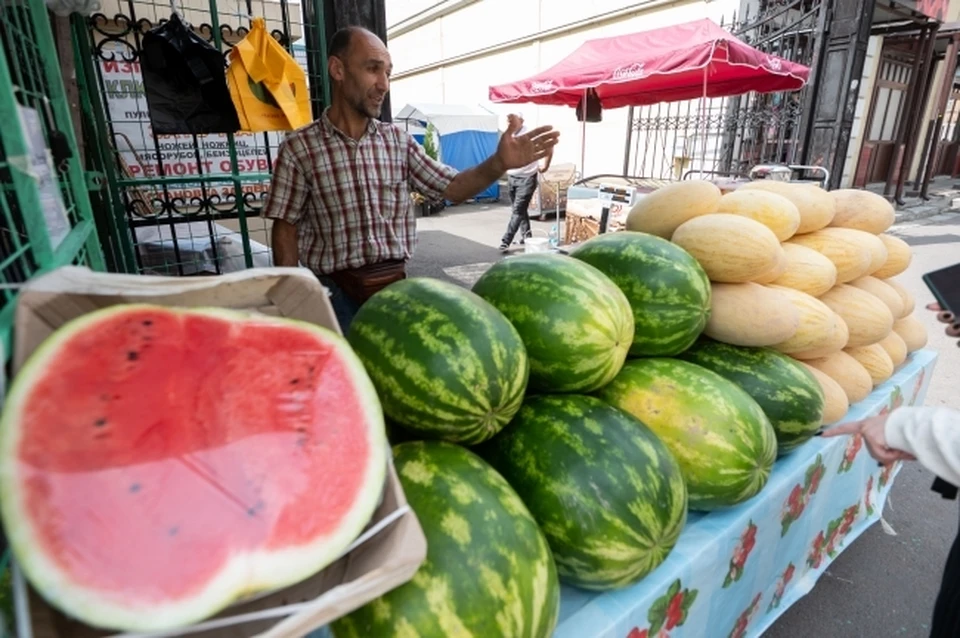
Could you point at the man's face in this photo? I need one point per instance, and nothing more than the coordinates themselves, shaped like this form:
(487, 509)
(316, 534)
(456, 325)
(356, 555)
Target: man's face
(363, 74)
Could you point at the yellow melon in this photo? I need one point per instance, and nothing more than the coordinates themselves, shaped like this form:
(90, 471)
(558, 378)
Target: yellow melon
(913, 333)
(876, 361)
(662, 211)
(844, 247)
(817, 326)
(835, 342)
(774, 273)
(774, 211)
(896, 347)
(748, 314)
(847, 371)
(862, 210)
(814, 204)
(731, 248)
(807, 270)
(878, 250)
(882, 291)
(909, 303)
(835, 404)
(898, 258)
(868, 319)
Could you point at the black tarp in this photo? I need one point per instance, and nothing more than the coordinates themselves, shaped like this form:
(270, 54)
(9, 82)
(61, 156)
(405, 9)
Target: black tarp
(185, 83)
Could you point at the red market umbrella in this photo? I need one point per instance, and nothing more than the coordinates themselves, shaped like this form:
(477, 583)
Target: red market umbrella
(681, 62)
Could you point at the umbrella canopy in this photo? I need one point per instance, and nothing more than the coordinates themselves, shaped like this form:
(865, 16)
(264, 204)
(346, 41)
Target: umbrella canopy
(681, 62)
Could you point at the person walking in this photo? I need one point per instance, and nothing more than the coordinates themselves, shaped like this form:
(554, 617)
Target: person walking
(339, 197)
(930, 436)
(522, 183)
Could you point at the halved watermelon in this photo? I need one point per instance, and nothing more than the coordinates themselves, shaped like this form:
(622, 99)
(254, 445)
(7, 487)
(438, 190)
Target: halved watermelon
(158, 464)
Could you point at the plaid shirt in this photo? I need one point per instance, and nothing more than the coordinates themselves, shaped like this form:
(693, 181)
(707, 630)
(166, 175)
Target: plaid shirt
(350, 200)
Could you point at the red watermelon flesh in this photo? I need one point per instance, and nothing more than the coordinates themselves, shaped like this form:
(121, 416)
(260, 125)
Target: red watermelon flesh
(158, 464)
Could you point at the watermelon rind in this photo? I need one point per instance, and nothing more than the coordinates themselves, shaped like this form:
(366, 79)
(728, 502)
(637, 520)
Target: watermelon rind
(721, 438)
(446, 363)
(667, 288)
(488, 572)
(607, 493)
(576, 324)
(246, 574)
(788, 393)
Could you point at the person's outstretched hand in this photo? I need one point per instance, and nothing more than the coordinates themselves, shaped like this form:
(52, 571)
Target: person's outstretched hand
(517, 152)
(873, 433)
(947, 317)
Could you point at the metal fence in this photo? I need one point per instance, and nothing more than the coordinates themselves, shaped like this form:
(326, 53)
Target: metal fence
(185, 204)
(730, 135)
(45, 214)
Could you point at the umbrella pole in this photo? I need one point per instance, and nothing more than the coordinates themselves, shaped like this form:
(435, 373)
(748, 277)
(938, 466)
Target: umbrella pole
(703, 119)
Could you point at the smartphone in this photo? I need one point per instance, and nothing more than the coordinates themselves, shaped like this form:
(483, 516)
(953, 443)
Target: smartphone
(945, 286)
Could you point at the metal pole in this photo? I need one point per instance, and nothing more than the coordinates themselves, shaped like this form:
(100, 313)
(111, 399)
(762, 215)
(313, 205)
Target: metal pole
(949, 71)
(626, 144)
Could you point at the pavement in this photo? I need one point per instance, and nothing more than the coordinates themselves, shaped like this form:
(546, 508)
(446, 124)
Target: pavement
(883, 585)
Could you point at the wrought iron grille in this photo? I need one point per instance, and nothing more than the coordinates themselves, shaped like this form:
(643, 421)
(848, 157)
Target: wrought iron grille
(730, 135)
(187, 204)
(45, 215)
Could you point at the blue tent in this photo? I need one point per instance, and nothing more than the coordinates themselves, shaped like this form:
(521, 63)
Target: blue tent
(468, 134)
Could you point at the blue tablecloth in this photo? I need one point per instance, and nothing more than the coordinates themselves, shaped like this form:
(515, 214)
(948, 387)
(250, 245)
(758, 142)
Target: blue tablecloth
(734, 572)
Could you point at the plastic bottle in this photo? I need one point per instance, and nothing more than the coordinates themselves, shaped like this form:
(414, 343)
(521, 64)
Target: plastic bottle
(554, 236)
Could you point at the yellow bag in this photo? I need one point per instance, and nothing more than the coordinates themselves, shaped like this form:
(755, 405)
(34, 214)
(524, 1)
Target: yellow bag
(268, 87)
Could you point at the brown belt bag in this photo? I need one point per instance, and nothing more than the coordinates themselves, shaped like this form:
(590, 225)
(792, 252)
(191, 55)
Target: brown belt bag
(362, 283)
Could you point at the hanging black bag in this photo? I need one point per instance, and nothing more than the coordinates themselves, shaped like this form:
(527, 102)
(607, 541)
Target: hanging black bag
(184, 80)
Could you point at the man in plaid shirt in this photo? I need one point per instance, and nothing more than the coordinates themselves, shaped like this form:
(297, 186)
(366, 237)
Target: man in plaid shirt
(340, 194)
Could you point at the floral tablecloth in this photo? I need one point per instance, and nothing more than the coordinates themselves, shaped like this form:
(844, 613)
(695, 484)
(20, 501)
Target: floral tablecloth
(733, 573)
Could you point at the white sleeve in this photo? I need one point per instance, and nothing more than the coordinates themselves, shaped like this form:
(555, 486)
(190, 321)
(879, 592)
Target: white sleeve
(932, 435)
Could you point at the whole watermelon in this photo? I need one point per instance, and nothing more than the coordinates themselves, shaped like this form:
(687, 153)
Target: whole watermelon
(446, 363)
(488, 571)
(786, 391)
(575, 323)
(721, 438)
(667, 288)
(607, 493)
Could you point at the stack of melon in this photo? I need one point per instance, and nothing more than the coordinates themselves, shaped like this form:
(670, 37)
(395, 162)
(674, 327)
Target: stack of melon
(799, 269)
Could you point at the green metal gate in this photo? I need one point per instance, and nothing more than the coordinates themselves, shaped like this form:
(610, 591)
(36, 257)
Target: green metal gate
(184, 204)
(45, 214)
(46, 219)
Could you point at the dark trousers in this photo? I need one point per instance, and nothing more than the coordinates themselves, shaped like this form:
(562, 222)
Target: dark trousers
(946, 613)
(522, 189)
(344, 307)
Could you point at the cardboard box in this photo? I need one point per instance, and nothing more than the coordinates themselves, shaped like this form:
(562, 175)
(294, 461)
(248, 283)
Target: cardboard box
(396, 546)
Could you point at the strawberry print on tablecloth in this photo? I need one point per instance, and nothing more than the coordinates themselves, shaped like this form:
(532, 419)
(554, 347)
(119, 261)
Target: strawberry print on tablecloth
(867, 505)
(740, 554)
(800, 495)
(826, 541)
(850, 454)
(740, 628)
(918, 387)
(782, 583)
(667, 612)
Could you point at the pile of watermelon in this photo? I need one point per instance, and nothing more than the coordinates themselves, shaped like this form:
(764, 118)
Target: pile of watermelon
(553, 424)
(575, 396)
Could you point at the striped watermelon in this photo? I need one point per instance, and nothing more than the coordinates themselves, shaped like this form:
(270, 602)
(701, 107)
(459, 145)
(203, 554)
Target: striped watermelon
(720, 436)
(488, 571)
(445, 363)
(607, 493)
(667, 288)
(786, 391)
(576, 324)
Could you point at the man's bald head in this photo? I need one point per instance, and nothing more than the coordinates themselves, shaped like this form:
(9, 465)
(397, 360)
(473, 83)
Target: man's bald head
(359, 66)
(343, 38)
